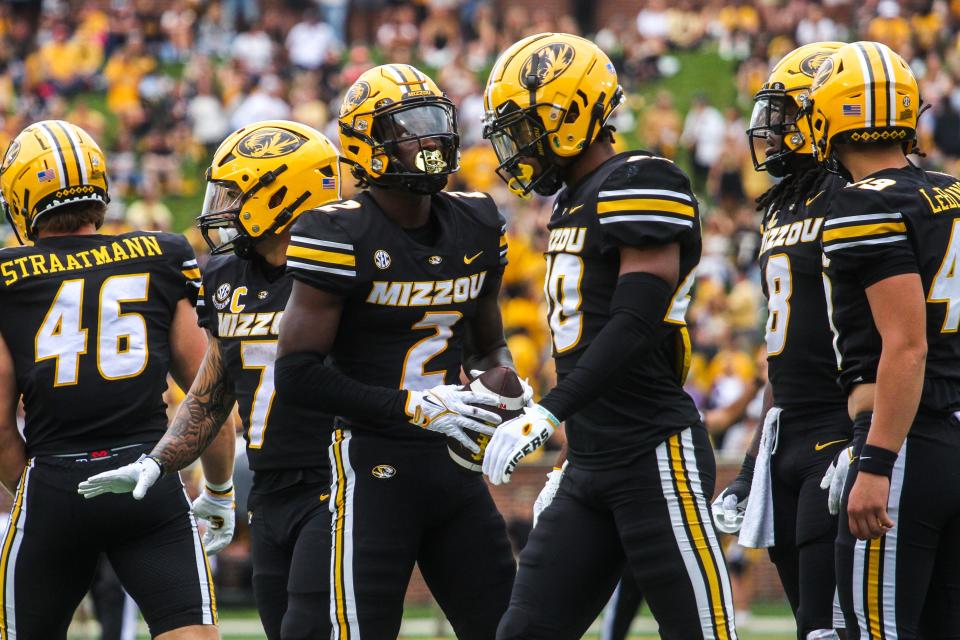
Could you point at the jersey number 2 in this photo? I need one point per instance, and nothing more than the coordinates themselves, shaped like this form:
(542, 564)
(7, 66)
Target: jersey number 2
(122, 350)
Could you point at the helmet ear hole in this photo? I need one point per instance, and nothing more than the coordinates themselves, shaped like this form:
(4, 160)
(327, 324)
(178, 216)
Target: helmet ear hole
(277, 199)
(572, 113)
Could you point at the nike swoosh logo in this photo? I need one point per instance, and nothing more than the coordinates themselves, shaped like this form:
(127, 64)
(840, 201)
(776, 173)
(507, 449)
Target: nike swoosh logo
(467, 260)
(809, 200)
(572, 209)
(324, 497)
(821, 447)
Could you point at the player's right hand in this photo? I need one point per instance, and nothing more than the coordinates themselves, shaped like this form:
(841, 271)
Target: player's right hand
(730, 506)
(835, 479)
(448, 410)
(136, 477)
(548, 492)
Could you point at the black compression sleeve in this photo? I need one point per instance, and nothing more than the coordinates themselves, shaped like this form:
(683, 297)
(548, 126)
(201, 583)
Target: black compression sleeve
(639, 305)
(304, 378)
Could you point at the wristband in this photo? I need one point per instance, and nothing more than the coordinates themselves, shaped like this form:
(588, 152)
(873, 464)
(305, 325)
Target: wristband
(220, 490)
(877, 460)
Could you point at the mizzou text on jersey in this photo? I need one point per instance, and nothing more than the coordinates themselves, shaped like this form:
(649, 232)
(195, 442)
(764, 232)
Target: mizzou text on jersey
(894, 222)
(88, 326)
(641, 471)
(397, 496)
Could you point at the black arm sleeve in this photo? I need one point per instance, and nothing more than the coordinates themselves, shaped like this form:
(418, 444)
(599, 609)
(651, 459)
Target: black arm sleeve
(305, 379)
(639, 305)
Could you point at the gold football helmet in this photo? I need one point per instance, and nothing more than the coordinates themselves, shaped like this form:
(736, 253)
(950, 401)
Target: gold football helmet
(776, 107)
(50, 164)
(548, 97)
(397, 129)
(863, 93)
(262, 177)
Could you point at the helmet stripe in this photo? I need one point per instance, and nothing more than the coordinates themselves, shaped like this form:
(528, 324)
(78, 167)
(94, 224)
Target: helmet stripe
(887, 65)
(400, 78)
(418, 75)
(870, 114)
(57, 153)
(75, 147)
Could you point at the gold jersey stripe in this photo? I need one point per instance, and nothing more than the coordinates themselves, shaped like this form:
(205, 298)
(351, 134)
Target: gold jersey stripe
(503, 241)
(192, 274)
(645, 204)
(318, 255)
(862, 230)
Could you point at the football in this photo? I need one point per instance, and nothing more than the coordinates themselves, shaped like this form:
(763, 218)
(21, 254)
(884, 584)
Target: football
(503, 383)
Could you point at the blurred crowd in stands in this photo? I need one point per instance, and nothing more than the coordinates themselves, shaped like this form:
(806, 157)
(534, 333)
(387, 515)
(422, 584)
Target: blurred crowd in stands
(160, 84)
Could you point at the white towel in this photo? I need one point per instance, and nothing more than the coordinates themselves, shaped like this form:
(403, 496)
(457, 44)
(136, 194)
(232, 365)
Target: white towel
(757, 529)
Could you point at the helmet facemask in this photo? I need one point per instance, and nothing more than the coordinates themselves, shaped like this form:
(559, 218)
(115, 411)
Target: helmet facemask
(775, 113)
(415, 145)
(519, 139)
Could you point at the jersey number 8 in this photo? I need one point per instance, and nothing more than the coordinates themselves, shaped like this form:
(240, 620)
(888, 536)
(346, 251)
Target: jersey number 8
(122, 350)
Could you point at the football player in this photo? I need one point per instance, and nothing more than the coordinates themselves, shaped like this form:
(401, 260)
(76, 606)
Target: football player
(91, 326)
(810, 424)
(262, 177)
(891, 248)
(391, 288)
(623, 247)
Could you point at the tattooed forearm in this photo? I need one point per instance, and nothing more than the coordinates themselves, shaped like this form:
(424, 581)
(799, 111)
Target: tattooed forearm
(200, 415)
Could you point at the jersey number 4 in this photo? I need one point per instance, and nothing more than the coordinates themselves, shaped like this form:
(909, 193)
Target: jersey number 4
(121, 347)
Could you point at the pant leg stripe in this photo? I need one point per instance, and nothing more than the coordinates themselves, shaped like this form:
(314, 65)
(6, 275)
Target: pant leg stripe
(706, 522)
(8, 557)
(682, 535)
(859, 583)
(207, 606)
(888, 576)
(344, 603)
(698, 536)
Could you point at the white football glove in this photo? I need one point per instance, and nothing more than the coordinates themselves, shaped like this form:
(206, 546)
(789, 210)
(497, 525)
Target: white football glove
(548, 492)
(219, 511)
(447, 410)
(836, 477)
(728, 511)
(516, 439)
(527, 389)
(135, 477)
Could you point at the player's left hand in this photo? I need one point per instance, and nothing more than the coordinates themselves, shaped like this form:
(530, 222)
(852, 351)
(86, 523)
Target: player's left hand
(867, 506)
(136, 477)
(219, 511)
(835, 479)
(515, 439)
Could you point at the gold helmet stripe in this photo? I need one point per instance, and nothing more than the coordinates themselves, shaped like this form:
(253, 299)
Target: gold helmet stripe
(75, 147)
(870, 112)
(57, 154)
(887, 65)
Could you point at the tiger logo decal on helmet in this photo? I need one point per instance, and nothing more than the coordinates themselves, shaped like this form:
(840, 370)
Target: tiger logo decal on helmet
(263, 176)
(389, 112)
(547, 99)
(776, 109)
(269, 142)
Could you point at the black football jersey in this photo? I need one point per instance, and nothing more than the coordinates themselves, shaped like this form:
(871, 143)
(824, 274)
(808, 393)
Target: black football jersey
(87, 319)
(801, 354)
(633, 199)
(241, 303)
(405, 303)
(894, 222)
